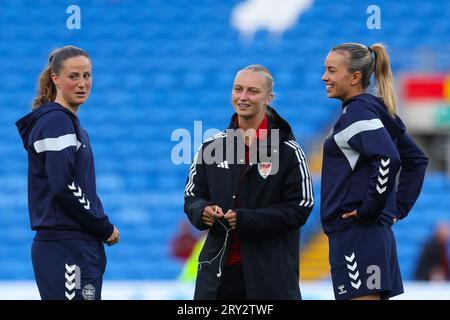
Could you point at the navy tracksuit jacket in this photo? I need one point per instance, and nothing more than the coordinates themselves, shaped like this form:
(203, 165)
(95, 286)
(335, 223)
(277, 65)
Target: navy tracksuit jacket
(361, 158)
(62, 199)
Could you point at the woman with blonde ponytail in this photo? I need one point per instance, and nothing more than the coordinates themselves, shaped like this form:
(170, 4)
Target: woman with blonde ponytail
(67, 252)
(365, 150)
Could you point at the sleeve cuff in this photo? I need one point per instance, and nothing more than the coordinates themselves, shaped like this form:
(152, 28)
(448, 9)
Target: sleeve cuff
(108, 232)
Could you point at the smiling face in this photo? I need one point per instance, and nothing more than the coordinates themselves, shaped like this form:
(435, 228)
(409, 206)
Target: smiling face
(250, 94)
(74, 81)
(340, 83)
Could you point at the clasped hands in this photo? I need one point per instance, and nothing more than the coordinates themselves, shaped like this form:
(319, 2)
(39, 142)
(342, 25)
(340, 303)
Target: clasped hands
(214, 212)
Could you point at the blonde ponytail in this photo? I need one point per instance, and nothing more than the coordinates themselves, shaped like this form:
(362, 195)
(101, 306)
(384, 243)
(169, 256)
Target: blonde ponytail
(384, 78)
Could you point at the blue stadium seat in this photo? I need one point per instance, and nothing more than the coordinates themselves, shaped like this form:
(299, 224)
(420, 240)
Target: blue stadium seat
(160, 66)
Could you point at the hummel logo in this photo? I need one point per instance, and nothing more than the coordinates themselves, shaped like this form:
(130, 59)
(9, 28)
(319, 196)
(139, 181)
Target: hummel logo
(352, 267)
(350, 259)
(383, 172)
(79, 193)
(223, 165)
(342, 289)
(70, 283)
(381, 190)
(356, 285)
(354, 276)
(385, 163)
(382, 178)
(382, 181)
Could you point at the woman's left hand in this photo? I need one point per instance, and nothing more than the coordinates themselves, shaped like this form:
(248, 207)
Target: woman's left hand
(347, 215)
(231, 218)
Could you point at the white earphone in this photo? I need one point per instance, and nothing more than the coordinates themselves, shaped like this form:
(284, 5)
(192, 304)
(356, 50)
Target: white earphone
(221, 251)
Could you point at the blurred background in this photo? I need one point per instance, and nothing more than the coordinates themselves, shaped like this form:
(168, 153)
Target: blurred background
(160, 65)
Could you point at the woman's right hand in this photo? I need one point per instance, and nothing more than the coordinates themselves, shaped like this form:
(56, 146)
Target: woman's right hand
(211, 214)
(114, 237)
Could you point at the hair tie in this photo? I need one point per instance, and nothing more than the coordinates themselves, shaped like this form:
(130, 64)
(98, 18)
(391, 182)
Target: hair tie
(373, 55)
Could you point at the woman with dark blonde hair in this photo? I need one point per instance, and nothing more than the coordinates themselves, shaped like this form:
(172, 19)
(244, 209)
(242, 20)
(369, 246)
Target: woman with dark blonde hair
(67, 252)
(362, 155)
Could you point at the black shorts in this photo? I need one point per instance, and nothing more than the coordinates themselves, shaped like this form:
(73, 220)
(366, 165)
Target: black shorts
(363, 260)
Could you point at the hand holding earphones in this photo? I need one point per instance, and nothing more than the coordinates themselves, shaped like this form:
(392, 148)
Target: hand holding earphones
(211, 214)
(231, 218)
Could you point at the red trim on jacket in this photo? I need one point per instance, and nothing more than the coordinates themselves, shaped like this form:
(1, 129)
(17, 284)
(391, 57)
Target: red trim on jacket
(234, 255)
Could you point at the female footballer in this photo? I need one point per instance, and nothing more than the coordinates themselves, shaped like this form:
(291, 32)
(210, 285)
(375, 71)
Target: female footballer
(366, 149)
(67, 252)
(253, 206)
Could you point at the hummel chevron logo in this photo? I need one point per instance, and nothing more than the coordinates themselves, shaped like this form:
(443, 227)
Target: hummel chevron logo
(82, 200)
(77, 192)
(382, 178)
(350, 259)
(384, 165)
(382, 181)
(381, 190)
(70, 285)
(356, 285)
(352, 268)
(383, 172)
(70, 296)
(354, 276)
(223, 165)
(71, 268)
(70, 280)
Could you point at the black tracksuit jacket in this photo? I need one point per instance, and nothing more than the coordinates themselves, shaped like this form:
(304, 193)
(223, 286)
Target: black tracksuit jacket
(272, 208)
